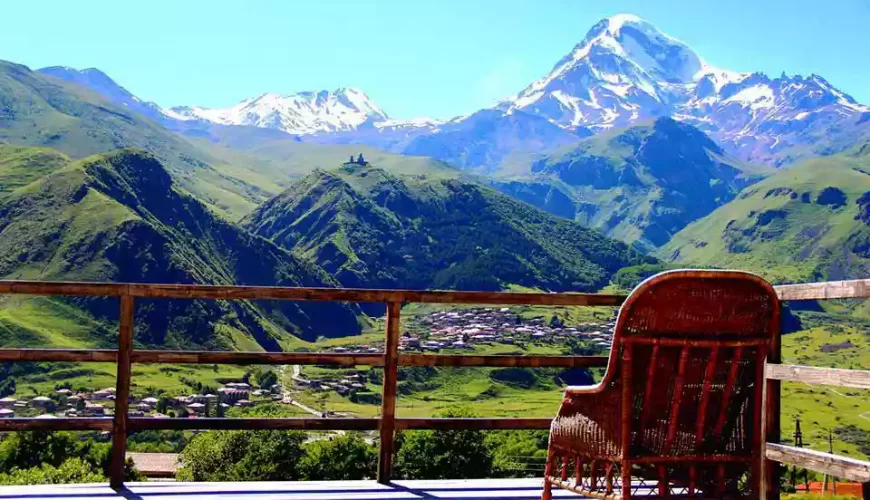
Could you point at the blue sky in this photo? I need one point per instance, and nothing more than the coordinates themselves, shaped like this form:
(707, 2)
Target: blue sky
(413, 57)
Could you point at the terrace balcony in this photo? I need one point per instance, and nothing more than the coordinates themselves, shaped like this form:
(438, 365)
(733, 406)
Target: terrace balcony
(384, 486)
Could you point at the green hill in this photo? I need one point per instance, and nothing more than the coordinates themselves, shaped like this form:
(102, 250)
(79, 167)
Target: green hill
(370, 228)
(641, 185)
(231, 169)
(805, 223)
(119, 217)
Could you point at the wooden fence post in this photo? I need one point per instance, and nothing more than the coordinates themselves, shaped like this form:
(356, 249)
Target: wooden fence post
(388, 408)
(771, 418)
(122, 393)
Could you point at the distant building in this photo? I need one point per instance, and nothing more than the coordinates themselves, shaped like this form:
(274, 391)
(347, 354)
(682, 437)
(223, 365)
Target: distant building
(229, 395)
(359, 160)
(196, 408)
(93, 410)
(42, 402)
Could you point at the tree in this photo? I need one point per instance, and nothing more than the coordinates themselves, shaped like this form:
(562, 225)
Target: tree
(162, 404)
(73, 470)
(445, 454)
(242, 456)
(344, 457)
(29, 450)
(267, 379)
(518, 453)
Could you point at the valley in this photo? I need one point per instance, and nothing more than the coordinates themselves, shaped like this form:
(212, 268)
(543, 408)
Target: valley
(633, 155)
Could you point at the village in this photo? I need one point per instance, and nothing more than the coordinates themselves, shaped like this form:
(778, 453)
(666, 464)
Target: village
(68, 403)
(472, 328)
(450, 330)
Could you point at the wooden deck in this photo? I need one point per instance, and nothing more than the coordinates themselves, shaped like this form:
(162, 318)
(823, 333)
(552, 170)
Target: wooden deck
(489, 489)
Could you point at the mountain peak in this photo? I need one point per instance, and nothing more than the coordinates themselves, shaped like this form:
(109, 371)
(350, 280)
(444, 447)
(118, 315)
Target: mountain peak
(302, 113)
(613, 25)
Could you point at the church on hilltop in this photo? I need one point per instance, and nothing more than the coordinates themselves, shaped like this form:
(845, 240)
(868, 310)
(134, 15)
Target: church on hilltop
(358, 161)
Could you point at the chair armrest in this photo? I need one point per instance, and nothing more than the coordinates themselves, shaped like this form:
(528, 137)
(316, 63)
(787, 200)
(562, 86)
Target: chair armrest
(588, 421)
(583, 389)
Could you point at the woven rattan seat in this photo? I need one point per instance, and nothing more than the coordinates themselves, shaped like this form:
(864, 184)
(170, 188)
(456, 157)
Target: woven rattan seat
(678, 411)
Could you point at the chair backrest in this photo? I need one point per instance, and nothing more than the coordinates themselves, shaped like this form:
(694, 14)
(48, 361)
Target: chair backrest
(691, 349)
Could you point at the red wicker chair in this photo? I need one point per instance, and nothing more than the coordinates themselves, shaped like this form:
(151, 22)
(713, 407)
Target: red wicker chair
(678, 412)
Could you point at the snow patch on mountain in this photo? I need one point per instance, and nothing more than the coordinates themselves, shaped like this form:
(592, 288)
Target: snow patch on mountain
(303, 113)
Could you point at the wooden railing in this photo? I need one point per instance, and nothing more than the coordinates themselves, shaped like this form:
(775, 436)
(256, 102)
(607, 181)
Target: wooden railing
(121, 423)
(826, 463)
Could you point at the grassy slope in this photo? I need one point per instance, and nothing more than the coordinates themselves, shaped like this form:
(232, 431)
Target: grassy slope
(426, 232)
(823, 408)
(39, 110)
(768, 230)
(641, 184)
(118, 217)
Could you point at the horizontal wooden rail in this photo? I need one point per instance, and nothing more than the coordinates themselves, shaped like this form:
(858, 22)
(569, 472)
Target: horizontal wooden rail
(308, 424)
(56, 424)
(853, 289)
(299, 358)
(803, 291)
(826, 463)
(235, 292)
(60, 355)
(859, 379)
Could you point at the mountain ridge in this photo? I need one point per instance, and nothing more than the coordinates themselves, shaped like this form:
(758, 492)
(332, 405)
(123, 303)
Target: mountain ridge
(425, 233)
(640, 184)
(119, 217)
(625, 71)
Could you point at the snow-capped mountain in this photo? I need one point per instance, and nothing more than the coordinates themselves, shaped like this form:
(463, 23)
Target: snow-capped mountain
(765, 119)
(625, 70)
(299, 114)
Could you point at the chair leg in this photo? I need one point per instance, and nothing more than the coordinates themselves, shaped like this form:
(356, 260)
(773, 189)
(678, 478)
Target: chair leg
(548, 471)
(626, 479)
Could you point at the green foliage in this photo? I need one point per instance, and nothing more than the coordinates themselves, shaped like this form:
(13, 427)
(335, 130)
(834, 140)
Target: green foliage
(344, 457)
(629, 277)
(157, 441)
(518, 377)
(518, 453)
(55, 457)
(72, 470)
(444, 454)
(267, 379)
(24, 450)
(242, 456)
